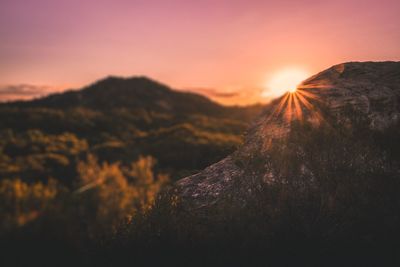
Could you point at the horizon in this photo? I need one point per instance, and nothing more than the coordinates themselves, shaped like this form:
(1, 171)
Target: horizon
(228, 51)
(28, 92)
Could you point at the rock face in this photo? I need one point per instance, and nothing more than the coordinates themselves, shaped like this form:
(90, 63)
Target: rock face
(371, 88)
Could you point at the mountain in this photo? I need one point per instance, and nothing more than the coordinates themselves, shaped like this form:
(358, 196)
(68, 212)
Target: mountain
(137, 93)
(117, 119)
(319, 169)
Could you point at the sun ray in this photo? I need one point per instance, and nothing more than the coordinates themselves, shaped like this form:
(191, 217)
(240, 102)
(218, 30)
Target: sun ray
(300, 105)
(282, 103)
(297, 107)
(316, 114)
(307, 94)
(280, 106)
(303, 100)
(289, 108)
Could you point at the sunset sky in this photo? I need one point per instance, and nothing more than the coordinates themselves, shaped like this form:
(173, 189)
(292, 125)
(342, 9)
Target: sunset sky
(229, 50)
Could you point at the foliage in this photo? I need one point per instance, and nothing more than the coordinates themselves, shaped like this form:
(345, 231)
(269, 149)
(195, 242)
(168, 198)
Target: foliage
(105, 196)
(22, 203)
(179, 143)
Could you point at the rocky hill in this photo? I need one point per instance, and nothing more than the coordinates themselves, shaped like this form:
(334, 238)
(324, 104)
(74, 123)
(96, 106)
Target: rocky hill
(369, 89)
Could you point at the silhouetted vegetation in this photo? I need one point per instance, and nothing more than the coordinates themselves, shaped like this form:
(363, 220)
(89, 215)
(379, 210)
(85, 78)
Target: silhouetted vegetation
(330, 198)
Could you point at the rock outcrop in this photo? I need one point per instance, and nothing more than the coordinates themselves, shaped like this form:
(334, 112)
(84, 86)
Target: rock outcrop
(371, 88)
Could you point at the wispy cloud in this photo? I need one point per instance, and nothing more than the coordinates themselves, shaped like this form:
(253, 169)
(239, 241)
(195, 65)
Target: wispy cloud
(240, 96)
(211, 92)
(25, 91)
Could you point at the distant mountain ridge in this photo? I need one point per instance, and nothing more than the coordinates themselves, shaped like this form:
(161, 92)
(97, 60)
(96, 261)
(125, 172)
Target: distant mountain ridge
(122, 118)
(135, 92)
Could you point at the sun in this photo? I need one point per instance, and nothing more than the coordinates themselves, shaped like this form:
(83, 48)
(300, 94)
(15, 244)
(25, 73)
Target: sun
(283, 81)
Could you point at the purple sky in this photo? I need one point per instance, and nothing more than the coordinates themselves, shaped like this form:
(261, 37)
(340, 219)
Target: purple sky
(219, 46)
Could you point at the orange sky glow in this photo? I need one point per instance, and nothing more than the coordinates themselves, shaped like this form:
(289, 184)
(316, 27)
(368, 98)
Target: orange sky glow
(232, 51)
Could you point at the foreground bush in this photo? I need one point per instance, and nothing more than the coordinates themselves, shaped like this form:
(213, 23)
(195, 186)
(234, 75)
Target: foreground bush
(71, 222)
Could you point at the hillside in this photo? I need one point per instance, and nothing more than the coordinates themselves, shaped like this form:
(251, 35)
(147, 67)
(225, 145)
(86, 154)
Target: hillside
(137, 93)
(369, 91)
(117, 119)
(316, 182)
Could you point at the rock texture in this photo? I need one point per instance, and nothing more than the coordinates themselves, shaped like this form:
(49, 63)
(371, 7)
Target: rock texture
(373, 88)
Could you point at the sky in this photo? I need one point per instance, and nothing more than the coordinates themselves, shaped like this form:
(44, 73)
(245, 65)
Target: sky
(228, 50)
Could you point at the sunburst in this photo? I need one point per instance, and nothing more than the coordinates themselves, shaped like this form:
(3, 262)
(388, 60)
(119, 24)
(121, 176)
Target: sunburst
(293, 105)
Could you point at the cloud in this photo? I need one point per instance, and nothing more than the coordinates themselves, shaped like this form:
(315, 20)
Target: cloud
(234, 96)
(24, 91)
(210, 92)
